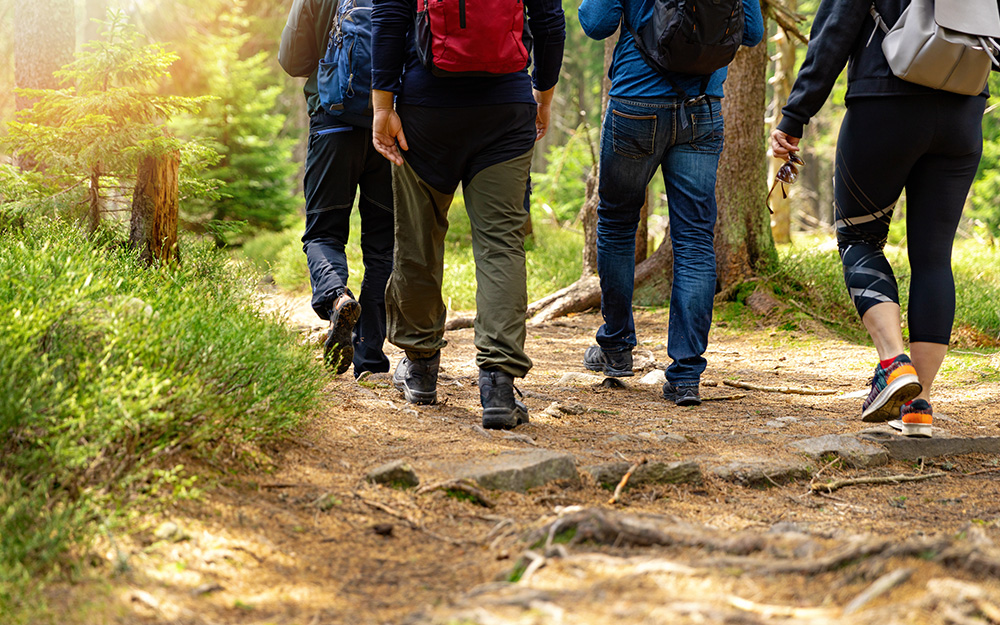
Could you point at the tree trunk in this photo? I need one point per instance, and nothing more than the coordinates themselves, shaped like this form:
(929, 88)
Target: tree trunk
(642, 232)
(154, 209)
(784, 70)
(94, 200)
(743, 243)
(44, 41)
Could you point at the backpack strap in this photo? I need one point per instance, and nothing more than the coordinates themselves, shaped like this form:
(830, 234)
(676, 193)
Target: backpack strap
(684, 97)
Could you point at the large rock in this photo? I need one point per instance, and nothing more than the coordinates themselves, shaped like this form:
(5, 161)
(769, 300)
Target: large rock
(517, 470)
(903, 448)
(762, 473)
(849, 449)
(611, 473)
(398, 474)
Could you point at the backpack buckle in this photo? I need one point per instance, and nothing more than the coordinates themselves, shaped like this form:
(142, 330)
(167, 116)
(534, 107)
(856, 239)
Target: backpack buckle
(696, 99)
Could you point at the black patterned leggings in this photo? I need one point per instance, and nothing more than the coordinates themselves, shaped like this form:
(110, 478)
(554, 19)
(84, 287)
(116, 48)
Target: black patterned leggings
(929, 145)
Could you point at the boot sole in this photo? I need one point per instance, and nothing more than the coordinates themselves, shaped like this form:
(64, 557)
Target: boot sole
(338, 350)
(886, 405)
(503, 418)
(610, 373)
(421, 398)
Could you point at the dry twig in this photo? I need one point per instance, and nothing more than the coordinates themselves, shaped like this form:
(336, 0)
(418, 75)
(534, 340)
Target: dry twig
(621, 485)
(791, 390)
(829, 487)
(411, 522)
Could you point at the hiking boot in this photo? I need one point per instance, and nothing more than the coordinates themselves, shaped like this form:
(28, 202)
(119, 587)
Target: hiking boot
(501, 411)
(891, 388)
(681, 395)
(915, 419)
(338, 350)
(417, 378)
(611, 364)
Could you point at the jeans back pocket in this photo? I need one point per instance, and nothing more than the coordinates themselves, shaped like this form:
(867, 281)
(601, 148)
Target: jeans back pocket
(632, 136)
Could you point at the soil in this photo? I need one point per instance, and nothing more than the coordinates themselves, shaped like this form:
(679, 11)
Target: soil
(312, 542)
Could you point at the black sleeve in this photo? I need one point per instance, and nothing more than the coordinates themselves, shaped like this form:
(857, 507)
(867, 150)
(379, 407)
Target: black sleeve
(548, 30)
(835, 30)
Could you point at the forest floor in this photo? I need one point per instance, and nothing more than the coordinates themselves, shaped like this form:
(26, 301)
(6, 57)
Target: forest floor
(737, 536)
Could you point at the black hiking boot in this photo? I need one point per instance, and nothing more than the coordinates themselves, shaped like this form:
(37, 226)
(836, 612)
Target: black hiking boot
(338, 350)
(501, 411)
(611, 364)
(417, 378)
(682, 395)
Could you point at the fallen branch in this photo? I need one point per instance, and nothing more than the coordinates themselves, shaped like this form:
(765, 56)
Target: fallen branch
(878, 588)
(722, 398)
(791, 390)
(476, 494)
(829, 487)
(624, 481)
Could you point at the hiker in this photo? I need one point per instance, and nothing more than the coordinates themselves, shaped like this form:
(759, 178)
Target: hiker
(673, 121)
(896, 135)
(339, 160)
(478, 130)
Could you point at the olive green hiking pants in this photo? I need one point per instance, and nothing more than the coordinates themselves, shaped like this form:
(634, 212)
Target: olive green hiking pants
(415, 310)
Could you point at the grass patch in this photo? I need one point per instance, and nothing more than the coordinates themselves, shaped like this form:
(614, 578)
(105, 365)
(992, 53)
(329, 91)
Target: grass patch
(112, 374)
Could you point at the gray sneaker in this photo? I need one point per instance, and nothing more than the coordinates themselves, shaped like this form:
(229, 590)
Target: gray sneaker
(681, 395)
(417, 378)
(501, 411)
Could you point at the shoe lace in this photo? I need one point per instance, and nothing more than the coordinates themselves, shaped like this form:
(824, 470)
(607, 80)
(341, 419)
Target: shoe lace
(518, 391)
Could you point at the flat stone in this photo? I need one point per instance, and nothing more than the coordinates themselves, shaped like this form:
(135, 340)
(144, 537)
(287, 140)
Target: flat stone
(611, 473)
(398, 473)
(642, 359)
(574, 377)
(903, 448)
(849, 449)
(663, 437)
(517, 470)
(656, 376)
(762, 473)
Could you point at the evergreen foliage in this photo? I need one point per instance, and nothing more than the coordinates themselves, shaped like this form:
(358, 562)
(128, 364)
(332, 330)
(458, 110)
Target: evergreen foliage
(88, 137)
(244, 125)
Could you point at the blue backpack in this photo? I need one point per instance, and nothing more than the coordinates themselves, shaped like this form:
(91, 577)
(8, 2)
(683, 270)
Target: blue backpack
(345, 72)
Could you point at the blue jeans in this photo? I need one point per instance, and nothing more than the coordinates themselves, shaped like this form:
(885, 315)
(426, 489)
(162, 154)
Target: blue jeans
(340, 160)
(638, 137)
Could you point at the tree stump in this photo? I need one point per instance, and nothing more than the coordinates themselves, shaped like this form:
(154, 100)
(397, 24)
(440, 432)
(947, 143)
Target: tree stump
(154, 208)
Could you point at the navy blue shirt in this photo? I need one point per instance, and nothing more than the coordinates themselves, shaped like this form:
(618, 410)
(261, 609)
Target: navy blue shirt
(631, 76)
(397, 68)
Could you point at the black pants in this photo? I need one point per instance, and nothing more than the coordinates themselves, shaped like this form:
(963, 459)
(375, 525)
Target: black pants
(339, 160)
(929, 145)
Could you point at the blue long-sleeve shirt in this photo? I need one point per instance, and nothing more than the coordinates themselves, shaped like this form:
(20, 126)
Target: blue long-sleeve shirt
(397, 68)
(631, 76)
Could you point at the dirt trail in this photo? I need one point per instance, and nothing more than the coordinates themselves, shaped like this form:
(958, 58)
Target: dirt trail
(312, 542)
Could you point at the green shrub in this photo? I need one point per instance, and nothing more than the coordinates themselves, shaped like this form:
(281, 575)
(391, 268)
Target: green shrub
(111, 371)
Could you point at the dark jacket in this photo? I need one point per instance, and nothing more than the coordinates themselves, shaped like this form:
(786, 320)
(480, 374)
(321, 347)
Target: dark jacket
(303, 43)
(840, 35)
(397, 68)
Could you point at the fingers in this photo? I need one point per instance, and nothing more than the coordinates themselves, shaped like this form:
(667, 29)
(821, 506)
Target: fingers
(783, 144)
(386, 146)
(401, 138)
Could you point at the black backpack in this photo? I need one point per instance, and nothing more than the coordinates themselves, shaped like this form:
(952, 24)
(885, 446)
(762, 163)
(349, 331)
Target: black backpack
(690, 36)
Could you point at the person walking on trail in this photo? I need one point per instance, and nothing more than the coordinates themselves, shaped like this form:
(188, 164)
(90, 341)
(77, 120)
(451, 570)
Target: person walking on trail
(896, 135)
(340, 159)
(671, 121)
(477, 130)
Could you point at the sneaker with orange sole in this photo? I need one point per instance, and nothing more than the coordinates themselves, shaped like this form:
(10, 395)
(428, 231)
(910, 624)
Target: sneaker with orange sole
(892, 387)
(916, 418)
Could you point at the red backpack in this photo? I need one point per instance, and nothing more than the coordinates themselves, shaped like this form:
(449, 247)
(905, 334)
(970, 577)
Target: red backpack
(481, 38)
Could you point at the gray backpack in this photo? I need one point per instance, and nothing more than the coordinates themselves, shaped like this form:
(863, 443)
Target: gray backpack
(943, 44)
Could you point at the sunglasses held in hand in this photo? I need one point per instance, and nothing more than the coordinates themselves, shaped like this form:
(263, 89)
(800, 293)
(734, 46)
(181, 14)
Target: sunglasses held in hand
(787, 174)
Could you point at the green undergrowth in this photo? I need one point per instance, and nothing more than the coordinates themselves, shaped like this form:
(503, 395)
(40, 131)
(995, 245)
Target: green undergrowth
(112, 373)
(552, 258)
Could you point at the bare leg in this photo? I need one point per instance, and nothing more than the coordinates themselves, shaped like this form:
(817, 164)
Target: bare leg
(883, 324)
(927, 359)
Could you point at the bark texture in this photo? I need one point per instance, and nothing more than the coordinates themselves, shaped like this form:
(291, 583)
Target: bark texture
(154, 209)
(743, 242)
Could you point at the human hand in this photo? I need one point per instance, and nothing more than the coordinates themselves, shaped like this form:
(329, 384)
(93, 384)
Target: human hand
(387, 128)
(783, 144)
(544, 100)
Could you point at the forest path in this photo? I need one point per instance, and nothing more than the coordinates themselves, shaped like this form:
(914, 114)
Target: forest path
(733, 534)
